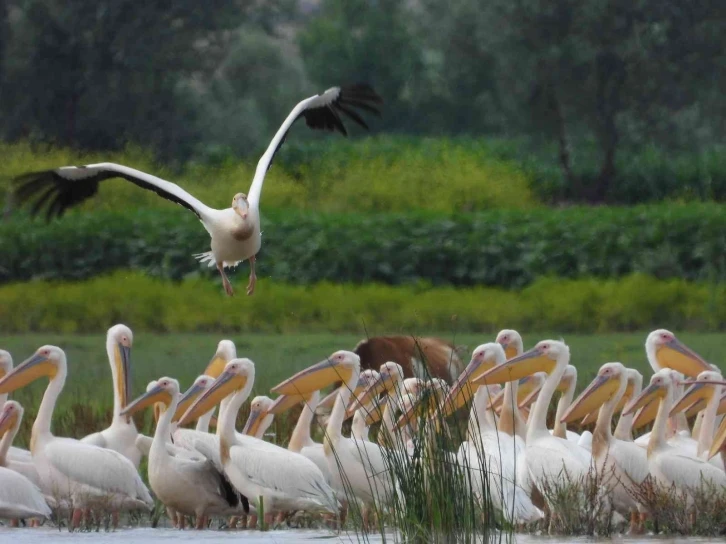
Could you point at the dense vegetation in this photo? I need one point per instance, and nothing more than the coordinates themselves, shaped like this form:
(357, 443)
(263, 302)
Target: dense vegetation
(196, 305)
(600, 98)
(497, 248)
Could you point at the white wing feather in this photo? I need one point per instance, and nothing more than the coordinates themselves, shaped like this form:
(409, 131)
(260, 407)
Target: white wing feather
(19, 497)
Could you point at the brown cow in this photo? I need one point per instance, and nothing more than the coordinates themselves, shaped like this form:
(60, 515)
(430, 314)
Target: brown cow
(420, 357)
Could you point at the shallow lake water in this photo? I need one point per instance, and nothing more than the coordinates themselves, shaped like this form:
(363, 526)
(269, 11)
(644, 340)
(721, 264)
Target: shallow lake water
(167, 536)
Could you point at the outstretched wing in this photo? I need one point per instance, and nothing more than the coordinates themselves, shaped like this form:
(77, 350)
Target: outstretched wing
(323, 111)
(57, 190)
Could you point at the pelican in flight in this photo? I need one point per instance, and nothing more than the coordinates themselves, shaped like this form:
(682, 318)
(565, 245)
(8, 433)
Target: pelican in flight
(671, 466)
(188, 486)
(19, 496)
(121, 435)
(286, 480)
(82, 472)
(235, 231)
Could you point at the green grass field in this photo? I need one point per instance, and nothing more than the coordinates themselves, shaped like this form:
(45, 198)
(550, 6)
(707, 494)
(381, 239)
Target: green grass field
(88, 388)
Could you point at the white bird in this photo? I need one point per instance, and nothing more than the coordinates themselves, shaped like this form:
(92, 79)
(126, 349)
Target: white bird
(549, 459)
(121, 435)
(360, 463)
(621, 465)
(70, 469)
(235, 231)
(6, 365)
(260, 417)
(19, 496)
(188, 486)
(286, 480)
(670, 466)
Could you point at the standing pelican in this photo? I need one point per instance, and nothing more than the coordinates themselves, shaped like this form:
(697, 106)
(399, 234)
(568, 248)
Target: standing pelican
(548, 457)
(670, 466)
(260, 417)
(19, 497)
(189, 487)
(360, 463)
(6, 365)
(82, 472)
(259, 469)
(235, 231)
(121, 435)
(621, 465)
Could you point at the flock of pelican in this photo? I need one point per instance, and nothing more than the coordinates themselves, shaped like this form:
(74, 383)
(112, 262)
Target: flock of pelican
(507, 447)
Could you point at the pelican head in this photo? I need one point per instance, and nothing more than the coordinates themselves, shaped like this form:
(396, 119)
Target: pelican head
(226, 351)
(47, 361)
(661, 384)
(339, 366)
(10, 416)
(260, 417)
(163, 392)
(434, 393)
(200, 385)
(119, 341)
(611, 381)
(511, 341)
(388, 379)
(664, 350)
(6, 362)
(544, 357)
(413, 385)
(237, 374)
(483, 358)
(241, 205)
(707, 384)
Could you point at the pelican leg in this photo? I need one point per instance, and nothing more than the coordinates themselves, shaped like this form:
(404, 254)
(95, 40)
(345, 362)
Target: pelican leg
(182, 521)
(253, 277)
(643, 517)
(76, 518)
(252, 522)
(268, 519)
(232, 523)
(279, 519)
(225, 281)
(14, 523)
(114, 519)
(200, 523)
(634, 522)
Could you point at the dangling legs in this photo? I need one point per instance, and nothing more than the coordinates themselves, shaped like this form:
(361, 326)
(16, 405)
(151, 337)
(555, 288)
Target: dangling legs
(225, 281)
(253, 277)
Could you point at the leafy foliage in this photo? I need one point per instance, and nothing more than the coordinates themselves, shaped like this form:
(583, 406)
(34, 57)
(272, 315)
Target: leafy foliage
(499, 248)
(195, 305)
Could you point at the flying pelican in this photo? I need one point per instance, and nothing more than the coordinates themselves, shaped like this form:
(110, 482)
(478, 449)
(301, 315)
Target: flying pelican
(360, 463)
(6, 365)
(671, 466)
(621, 465)
(548, 457)
(84, 472)
(121, 435)
(19, 497)
(235, 231)
(189, 487)
(286, 480)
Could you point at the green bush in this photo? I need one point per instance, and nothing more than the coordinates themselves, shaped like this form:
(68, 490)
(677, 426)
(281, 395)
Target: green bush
(358, 175)
(196, 305)
(500, 248)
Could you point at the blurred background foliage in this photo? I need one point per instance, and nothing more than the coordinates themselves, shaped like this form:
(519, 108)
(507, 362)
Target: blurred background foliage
(516, 137)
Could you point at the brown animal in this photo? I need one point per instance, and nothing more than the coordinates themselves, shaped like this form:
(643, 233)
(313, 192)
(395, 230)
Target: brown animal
(420, 357)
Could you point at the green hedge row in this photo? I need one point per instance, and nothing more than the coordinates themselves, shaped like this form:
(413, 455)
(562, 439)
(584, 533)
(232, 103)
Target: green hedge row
(637, 302)
(506, 249)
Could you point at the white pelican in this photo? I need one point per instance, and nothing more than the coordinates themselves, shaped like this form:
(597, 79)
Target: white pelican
(235, 231)
(621, 465)
(260, 417)
(671, 466)
(548, 457)
(82, 472)
(6, 365)
(360, 463)
(188, 486)
(664, 350)
(286, 480)
(19, 497)
(121, 435)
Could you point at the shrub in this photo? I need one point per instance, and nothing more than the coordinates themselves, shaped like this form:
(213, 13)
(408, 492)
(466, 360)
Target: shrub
(197, 305)
(501, 248)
